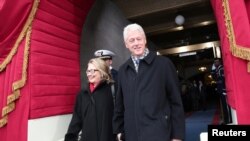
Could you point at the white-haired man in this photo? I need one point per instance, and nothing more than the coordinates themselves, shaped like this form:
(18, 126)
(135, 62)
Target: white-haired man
(148, 101)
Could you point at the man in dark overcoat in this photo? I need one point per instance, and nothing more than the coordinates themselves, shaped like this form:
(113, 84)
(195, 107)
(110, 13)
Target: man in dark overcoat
(148, 103)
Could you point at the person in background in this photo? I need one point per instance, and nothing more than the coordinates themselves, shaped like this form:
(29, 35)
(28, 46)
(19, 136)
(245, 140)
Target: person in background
(203, 95)
(107, 56)
(194, 91)
(93, 109)
(217, 72)
(148, 103)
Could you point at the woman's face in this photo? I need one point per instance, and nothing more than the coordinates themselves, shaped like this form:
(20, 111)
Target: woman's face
(94, 75)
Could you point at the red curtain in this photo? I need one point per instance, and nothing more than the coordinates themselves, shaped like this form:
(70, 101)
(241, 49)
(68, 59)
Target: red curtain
(13, 15)
(39, 61)
(234, 30)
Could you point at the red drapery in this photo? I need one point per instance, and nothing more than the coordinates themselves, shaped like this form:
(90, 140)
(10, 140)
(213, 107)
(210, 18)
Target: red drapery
(234, 30)
(39, 61)
(13, 17)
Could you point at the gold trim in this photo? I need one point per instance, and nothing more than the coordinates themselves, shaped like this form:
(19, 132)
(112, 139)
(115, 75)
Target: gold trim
(20, 83)
(7, 109)
(237, 50)
(17, 85)
(3, 121)
(13, 97)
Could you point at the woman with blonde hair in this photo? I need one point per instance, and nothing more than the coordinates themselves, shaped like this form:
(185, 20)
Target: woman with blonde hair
(93, 110)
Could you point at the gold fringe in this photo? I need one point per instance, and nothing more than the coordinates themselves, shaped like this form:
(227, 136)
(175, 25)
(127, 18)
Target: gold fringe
(13, 51)
(3, 121)
(7, 109)
(13, 97)
(237, 50)
(20, 83)
(17, 85)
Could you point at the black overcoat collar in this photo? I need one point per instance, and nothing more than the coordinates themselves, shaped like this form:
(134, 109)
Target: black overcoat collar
(148, 59)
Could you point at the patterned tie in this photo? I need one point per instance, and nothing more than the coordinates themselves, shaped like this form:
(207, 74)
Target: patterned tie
(137, 61)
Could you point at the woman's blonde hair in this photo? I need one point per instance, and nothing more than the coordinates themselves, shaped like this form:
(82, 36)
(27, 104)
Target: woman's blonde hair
(103, 68)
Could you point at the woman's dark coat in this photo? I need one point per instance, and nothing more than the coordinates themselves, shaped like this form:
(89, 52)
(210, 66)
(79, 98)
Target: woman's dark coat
(92, 115)
(148, 104)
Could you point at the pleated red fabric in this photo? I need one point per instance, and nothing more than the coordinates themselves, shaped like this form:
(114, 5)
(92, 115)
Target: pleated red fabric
(49, 47)
(234, 30)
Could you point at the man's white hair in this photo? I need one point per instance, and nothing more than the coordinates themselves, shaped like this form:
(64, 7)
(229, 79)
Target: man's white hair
(132, 27)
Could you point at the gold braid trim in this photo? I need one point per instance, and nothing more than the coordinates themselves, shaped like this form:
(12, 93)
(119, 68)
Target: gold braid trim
(237, 50)
(3, 121)
(17, 85)
(13, 97)
(20, 83)
(7, 109)
(13, 51)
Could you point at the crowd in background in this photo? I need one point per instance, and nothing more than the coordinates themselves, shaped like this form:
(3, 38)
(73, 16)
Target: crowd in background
(196, 95)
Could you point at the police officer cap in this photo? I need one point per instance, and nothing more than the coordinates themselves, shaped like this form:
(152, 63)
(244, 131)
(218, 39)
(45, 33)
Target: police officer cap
(105, 54)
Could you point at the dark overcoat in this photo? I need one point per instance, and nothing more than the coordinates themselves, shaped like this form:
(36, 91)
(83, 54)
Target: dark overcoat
(92, 115)
(148, 104)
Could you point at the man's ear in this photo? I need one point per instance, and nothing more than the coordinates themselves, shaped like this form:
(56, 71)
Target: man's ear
(126, 45)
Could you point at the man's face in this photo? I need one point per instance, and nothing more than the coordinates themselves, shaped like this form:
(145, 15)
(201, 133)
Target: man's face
(136, 43)
(216, 63)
